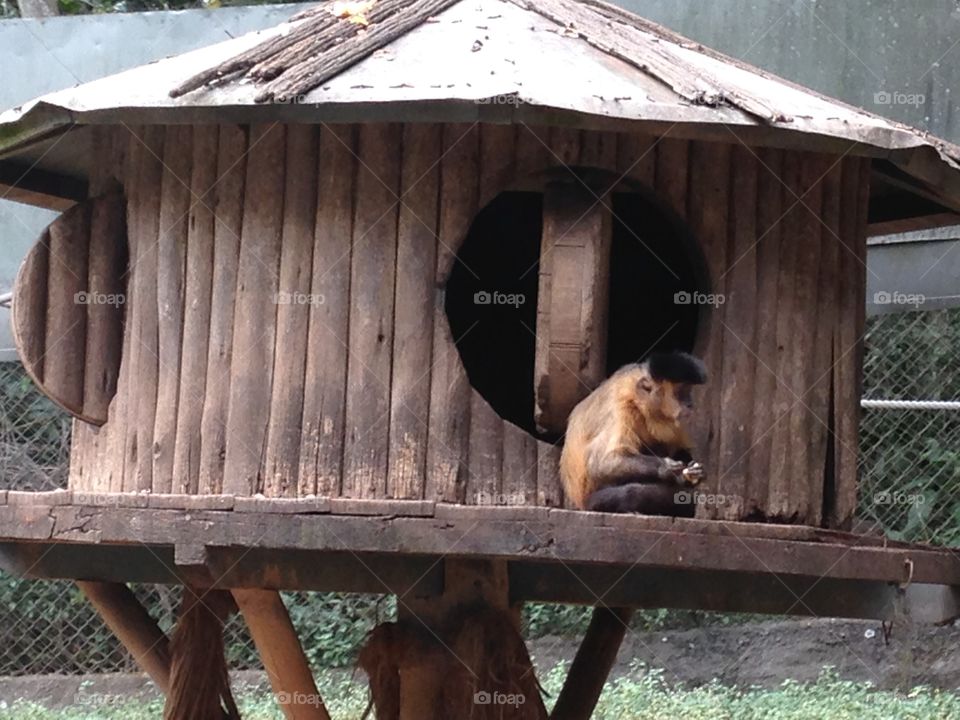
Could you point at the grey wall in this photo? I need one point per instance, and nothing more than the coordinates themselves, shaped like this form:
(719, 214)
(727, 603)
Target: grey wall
(851, 49)
(848, 49)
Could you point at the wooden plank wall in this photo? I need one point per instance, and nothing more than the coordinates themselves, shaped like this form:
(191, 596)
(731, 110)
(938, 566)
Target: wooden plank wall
(286, 331)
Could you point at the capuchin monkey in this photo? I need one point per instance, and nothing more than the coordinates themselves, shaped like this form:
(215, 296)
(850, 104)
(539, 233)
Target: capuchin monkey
(626, 449)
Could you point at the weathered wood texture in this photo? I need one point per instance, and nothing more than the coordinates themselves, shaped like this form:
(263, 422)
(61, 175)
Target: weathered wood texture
(573, 301)
(68, 307)
(282, 654)
(286, 329)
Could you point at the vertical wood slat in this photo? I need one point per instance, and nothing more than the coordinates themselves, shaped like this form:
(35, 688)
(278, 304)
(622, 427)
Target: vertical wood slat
(565, 148)
(450, 390)
(198, 293)
(106, 329)
(821, 359)
(778, 483)
(708, 222)
(486, 445)
(65, 341)
(108, 251)
(804, 423)
(413, 314)
(533, 157)
(293, 299)
(848, 343)
(671, 173)
(146, 171)
(322, 434)
(126, 418)
(175, 200)
(737, 367)
(372, 283)
(532, 150)
(255, 313)
(598, 149)
(564, 144)
(636, 157)
(228, 195)
(769, 208)
(102, 470)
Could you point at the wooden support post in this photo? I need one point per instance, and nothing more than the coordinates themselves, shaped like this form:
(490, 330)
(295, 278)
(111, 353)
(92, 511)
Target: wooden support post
(281, 652)
(133, 626)
(592, 664)
(456, 666)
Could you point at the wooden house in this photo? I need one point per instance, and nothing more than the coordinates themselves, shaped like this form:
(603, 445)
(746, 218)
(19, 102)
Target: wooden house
(363, 264)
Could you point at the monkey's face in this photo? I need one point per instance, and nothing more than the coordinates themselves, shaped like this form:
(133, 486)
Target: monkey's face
(666, 400)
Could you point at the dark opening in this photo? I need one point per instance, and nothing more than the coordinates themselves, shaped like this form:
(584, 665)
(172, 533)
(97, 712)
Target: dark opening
(491, 296)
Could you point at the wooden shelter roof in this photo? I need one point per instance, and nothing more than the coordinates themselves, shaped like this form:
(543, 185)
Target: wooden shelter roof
(572, 62)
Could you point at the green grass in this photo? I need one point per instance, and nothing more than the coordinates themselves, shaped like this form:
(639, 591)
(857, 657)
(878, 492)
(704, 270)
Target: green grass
(643, 695)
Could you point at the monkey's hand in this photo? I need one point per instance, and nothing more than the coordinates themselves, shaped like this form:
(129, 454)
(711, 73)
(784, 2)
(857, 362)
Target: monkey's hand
(671, 469)
(693, 473)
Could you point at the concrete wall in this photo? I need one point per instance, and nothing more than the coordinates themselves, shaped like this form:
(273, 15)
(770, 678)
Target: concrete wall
(892, 57)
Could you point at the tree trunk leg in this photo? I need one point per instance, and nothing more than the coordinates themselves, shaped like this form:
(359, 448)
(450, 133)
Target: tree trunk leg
(283, 657)
(133, 626)
(592, 664)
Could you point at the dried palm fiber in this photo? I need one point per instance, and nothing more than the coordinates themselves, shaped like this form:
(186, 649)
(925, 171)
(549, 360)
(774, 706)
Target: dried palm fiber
(480, 655)
(199, 683)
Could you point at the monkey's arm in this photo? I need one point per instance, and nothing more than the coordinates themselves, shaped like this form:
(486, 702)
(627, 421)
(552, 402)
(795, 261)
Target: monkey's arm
(619, 465)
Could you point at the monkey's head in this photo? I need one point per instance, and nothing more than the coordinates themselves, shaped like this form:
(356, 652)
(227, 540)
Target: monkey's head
(666, 383)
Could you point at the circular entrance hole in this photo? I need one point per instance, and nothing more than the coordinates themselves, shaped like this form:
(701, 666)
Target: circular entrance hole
(491, 295)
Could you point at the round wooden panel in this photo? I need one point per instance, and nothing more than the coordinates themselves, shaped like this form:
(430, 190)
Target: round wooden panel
(68, 307)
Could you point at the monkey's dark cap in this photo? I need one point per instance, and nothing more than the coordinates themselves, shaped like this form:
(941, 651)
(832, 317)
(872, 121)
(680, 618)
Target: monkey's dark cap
(677, 367)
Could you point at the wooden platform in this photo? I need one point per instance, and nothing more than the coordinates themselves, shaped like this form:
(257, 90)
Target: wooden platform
(399, 547)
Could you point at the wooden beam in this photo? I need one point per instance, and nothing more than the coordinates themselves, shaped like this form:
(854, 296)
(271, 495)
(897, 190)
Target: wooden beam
(41, 188)
(423, 576)
(555, 536)
(133, 626)
(913, 224)
(592, 664)
(282, 655)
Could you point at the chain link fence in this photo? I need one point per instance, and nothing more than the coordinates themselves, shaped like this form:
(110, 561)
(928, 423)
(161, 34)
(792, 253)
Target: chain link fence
(909, 481)
(909, 478)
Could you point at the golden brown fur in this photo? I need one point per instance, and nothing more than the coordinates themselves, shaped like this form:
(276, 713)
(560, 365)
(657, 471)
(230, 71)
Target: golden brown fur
(627, 415)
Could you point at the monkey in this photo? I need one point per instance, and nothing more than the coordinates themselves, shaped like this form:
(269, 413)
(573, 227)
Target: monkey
(626, 449)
